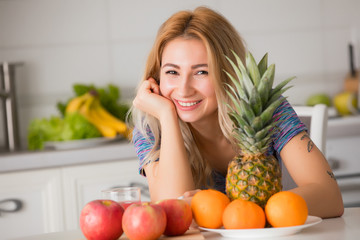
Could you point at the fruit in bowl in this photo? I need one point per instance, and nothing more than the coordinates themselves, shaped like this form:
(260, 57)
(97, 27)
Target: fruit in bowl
(243, 214)
(208, 207)
(101, 220)
(286, 209)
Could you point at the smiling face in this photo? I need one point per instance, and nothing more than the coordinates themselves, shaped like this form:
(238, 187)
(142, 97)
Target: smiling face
(185, 80)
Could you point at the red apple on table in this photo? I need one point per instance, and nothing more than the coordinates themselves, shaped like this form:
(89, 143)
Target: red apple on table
(178, 216)
(144, 221)
(101, 220)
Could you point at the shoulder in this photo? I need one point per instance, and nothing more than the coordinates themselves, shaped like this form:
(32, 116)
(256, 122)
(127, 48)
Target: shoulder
(140, 136)
(284, 108)
(289, 125)
(143, 142)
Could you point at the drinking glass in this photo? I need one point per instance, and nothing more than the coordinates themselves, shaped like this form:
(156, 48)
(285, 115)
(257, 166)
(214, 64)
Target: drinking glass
(125, 196)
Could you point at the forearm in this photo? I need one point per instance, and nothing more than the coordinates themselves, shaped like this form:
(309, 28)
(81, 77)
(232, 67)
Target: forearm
(171, 176)
(311, 172)
(322, 201)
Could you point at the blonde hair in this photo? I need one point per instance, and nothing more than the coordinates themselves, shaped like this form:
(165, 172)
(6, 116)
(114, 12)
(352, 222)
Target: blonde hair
(219, 37)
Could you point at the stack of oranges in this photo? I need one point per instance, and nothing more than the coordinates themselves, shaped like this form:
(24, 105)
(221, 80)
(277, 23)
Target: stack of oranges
(213, 209)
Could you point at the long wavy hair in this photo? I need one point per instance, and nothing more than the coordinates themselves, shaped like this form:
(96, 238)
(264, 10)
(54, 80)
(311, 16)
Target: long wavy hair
(220, 38)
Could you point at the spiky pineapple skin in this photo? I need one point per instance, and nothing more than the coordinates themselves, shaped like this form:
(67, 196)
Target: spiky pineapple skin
(254, 175)
(253, 178)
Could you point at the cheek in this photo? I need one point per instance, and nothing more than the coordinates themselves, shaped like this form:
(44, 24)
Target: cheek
(166, 88)
(207, 89)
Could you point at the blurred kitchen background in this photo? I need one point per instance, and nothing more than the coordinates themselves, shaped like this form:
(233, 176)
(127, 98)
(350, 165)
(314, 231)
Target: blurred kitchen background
(62, 42)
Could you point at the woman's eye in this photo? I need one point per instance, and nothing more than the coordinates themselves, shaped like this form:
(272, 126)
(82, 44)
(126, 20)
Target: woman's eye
(202, 73)
(172, 72)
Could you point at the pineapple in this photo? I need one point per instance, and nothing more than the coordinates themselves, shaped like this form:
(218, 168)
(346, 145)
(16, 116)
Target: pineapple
(253, 174)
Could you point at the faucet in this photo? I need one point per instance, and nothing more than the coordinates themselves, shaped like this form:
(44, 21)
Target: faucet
(9, 107)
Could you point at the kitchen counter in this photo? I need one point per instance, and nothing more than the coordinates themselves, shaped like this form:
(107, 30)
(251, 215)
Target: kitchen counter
(114, 151)
(122, 149)
(344, 228)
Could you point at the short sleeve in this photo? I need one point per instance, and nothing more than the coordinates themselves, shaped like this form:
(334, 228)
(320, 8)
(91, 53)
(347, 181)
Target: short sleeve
(142, 146)
(289, 127)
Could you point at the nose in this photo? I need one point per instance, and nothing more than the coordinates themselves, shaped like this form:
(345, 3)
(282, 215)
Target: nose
(185, 87)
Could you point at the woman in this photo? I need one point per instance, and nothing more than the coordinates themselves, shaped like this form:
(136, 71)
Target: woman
(182, 130)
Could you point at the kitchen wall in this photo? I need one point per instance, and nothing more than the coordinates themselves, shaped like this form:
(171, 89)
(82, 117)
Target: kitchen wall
(62, 42)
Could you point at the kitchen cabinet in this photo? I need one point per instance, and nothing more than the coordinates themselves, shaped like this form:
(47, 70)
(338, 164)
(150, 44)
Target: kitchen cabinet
(343, 155)
(84, 183)
(52, 198)
(39, 193)
(342, 151)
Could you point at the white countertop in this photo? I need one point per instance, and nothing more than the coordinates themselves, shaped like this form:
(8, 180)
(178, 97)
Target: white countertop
(57, 158)
(344, 228)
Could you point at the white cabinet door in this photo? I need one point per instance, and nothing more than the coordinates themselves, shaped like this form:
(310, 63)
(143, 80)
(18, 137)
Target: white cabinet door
(39, 193)
(343, 155)
(84, 183)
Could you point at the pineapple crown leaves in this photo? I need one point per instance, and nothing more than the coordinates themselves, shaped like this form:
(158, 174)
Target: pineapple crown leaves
(254, 101)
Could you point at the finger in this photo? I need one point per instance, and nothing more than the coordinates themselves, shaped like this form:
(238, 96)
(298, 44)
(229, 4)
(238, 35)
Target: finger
(149, 87)
(194, 225)
(154, 86)
(152, 80)
(188, 200)
(190, 193)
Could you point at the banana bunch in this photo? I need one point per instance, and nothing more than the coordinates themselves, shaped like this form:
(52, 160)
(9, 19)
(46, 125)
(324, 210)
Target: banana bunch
(90, 107)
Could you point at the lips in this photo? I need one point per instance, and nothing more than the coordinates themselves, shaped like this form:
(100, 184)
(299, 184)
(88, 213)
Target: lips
(188, 105)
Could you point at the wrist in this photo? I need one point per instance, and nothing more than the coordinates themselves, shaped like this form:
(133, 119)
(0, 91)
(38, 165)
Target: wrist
(169, 115)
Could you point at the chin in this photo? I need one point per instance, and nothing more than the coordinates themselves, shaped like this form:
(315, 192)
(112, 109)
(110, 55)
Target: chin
(187, 119)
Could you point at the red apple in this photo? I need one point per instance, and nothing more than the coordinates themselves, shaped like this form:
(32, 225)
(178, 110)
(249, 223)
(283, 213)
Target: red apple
(101, 220)
(178, 216)
(144, 221)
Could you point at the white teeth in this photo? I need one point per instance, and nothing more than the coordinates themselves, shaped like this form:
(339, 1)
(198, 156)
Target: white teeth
(188, 104)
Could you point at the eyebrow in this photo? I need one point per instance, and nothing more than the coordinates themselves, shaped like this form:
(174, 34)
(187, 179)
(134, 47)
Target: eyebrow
(193, 67)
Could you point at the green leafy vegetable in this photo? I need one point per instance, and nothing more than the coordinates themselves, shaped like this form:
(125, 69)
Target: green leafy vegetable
(77, 127)
(42, 130)
(72, 127)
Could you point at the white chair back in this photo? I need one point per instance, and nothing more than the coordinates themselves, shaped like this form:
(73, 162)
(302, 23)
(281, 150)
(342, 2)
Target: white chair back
(315, 118)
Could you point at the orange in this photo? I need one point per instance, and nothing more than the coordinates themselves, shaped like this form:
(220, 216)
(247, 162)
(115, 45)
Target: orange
(243, 214)
(285, 209)
(208, 206)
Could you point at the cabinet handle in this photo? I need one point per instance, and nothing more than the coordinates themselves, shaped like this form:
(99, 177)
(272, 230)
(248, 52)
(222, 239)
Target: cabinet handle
(346, 176)
(18, 204)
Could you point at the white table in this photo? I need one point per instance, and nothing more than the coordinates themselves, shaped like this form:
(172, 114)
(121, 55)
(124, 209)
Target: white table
(346, 227)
